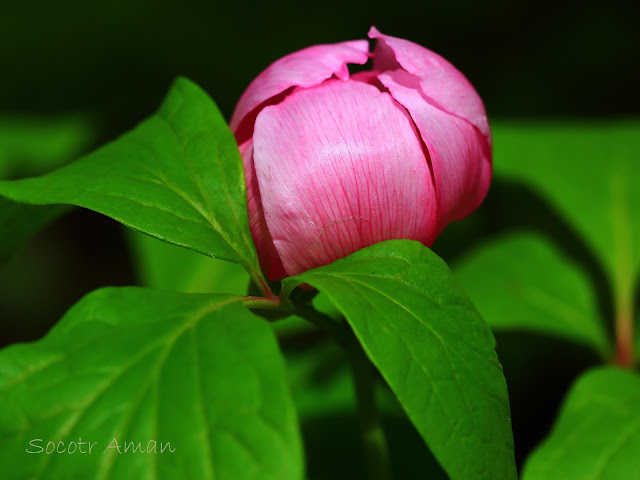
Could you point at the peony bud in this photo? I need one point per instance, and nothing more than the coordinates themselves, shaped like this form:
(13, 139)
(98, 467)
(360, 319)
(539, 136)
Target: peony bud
(336, 162)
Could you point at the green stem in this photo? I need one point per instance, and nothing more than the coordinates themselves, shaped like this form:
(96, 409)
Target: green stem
(364, 381)
(374, 441)
(623, 278)
(267, 303)
(259, 280)
(624, 331)
(364, 378)
(338, 330)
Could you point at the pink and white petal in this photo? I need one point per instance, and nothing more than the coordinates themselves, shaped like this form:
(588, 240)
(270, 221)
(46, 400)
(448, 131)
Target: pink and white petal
(459, 156)
(304, 68)
(439, 79)
(269, 258)
(341, 167)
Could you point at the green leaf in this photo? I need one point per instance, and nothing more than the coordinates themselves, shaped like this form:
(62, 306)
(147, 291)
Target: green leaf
(177, 176)
(521, 282)
(200, 372)
(597, 434)
(433, 349)
(589, 173)
(168, 267)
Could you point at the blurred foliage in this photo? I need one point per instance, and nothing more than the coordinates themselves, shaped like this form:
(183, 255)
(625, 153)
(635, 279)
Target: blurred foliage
(597, 432)
(521, 283)
(588, 172)
(168, 267)
(576, 185)
(32, 145)
(323, 394)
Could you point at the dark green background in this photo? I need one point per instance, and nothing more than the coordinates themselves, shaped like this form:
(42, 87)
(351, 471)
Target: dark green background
(114, 61)
(117, 58)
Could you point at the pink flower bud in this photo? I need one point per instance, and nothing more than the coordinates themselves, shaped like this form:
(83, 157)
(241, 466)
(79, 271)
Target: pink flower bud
(336, 162)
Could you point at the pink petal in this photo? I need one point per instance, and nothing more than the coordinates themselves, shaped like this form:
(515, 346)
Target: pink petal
(304, 68)
(341, 167)
(440, 80)
(459, 155)
(269, 258)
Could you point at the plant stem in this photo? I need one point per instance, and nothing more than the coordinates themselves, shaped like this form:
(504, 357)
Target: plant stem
(624, 331)
(260, 282)
(623, 277)
(364, 381)
(374, 441)
(267, 303)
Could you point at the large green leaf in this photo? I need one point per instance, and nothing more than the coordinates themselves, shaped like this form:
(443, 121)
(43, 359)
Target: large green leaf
(432, 347)
(177, 176)
(520, 282)
(589, 172)
(198, 371)
(597, 434)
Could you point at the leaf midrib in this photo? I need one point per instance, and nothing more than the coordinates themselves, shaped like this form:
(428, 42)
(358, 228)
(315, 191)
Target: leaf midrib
(247, 241)
(209, 219)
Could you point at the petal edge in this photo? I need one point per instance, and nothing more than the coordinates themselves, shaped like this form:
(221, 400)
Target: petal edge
(305, 68)
(439, 79)
(459, 155)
